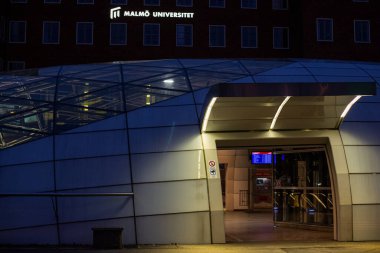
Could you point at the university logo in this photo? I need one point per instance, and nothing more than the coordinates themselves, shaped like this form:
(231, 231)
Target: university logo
(115, 12)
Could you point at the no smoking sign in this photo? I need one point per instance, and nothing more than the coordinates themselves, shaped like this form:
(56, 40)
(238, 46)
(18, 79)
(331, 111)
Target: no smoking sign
(212, 168)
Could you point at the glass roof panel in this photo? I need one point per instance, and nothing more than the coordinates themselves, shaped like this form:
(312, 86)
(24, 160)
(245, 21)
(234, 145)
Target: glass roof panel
(69, 117)
(259, 66)
(247, 79)
(10, 137)
(145, 96)
(287, 70)
(41, 90)
(68, 70)
(92, 92)
(109, 74)
(49, 71)
(135, 73)
(170, 81)
(12, 82)
(105, 99)
(169, 63)
(201, 79)
(11, 106)
(191, 63)
(233, 67)
(69, 87)
(38, 120)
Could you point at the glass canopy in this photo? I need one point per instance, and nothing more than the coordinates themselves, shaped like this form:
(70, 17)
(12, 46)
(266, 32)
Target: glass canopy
(41, 102)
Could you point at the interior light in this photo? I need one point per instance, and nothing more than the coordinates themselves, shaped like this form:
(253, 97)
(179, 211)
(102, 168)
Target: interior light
(348, 107)
(279, 111)
(208, 112)
(169, 81)
(85, 108)
(147, 99)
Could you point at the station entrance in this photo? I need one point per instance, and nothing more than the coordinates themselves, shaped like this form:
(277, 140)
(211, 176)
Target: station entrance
(276, 193)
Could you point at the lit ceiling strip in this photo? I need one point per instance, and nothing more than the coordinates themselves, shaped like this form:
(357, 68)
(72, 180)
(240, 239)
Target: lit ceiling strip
(208, 112)
(278, 112)
(348, 107)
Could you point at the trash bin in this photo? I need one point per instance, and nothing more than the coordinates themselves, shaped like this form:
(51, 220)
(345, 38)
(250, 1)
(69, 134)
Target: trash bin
(107, 238)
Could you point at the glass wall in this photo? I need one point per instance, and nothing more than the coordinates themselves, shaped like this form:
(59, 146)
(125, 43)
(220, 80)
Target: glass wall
(302, 188)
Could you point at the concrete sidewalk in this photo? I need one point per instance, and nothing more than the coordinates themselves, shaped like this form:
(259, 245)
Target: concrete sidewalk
(274, 247)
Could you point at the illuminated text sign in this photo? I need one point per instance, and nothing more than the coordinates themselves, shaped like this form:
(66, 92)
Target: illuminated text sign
(118, 12)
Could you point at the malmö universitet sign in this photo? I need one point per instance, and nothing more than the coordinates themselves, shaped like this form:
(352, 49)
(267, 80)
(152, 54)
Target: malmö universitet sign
(117, 12)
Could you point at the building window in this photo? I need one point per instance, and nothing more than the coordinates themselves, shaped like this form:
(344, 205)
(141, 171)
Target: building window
(152, 2)
(50, 32)
(217, 36)
(151, 34)
(16, 65)
(248, 36)
(362, 31)
(18, 1)
(85, 1)
(119, 2)
(280, 37)
(185, 3)
(216, 3)
(184, 35)
(325, 29)
(249, 4)
(2, 30)
(17, 31)
(279, 4)
(52, 1)
(118, 34)
(85, 33)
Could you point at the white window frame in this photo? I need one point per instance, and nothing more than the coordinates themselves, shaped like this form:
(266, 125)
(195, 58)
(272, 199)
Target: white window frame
(181, 5)
(369, 31)
(241, 6)
(59, 33)
(287, 29)
(209, 36)
(332, 29)
(241, 36)
(126, 35)
(210, 6)
(192, 35)
(92, 32)
(9, 38)
(274, 3)
(159, 35)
